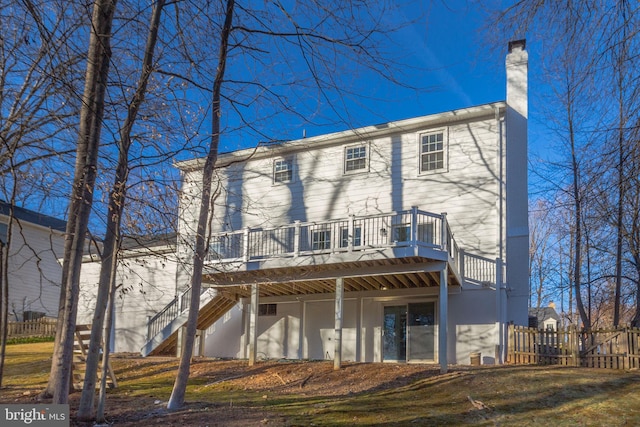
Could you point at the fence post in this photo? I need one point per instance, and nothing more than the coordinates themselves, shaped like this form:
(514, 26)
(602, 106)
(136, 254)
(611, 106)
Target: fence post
(626, 361)
(511, 345)
(575, 345)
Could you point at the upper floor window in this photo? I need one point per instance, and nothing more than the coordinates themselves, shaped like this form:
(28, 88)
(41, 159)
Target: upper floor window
(432, 151)
(283, 170)
(355, 159)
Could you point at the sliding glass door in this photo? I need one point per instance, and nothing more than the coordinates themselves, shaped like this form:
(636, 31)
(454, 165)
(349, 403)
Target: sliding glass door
(409, 332)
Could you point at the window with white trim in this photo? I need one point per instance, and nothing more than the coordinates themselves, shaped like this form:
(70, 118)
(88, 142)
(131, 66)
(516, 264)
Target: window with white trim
(401, 232)
(355, 159)
(282, 170)
(320, 239)
(356, 238)
(432, 151)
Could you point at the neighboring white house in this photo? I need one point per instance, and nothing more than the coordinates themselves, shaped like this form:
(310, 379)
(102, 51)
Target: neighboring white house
(546, 318)
(146, 282)
(34, 273)
(405, 241)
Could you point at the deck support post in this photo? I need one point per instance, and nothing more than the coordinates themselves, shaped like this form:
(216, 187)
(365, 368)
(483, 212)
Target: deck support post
(337, 359)
(443, 320)
(253, 324)
(182, 336)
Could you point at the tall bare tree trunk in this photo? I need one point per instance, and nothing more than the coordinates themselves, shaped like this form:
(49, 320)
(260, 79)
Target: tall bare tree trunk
(179, 387)
(4, 304)
(620, 61)
(577, 205)
(117, 201)
(91, 114)
(5, 250)
(108, 330)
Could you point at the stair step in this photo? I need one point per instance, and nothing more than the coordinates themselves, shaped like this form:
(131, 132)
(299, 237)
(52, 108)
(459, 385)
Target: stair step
(80, 348)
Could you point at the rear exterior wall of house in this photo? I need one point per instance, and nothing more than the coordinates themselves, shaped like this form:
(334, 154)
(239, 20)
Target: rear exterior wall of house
(318, 186)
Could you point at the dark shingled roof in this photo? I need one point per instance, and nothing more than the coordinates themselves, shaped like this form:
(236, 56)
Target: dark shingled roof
(33, 217)
(544, 313)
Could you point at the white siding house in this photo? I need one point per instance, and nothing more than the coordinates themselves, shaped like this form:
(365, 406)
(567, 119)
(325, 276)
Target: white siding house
(405, 241)
(34, 273)
(400, 242)
(146, 282)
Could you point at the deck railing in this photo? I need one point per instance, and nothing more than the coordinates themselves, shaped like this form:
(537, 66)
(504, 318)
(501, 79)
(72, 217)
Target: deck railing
(406, 228)
(478, 270)
(410, 228)
(170, 312)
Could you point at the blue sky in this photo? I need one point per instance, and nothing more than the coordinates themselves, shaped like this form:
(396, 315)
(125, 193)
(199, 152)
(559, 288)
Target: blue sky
(448, 63)
(457, 65)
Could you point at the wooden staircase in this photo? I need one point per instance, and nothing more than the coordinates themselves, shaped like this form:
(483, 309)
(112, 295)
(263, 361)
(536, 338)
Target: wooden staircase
(80, 348)
(213, 306)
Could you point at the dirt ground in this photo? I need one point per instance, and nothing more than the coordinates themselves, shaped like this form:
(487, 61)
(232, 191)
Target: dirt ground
(269, 378)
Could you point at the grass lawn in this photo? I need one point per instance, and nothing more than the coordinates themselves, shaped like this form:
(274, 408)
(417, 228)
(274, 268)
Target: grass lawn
(230, 393)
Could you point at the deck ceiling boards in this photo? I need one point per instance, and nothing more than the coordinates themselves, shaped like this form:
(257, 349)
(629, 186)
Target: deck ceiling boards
(321, 278)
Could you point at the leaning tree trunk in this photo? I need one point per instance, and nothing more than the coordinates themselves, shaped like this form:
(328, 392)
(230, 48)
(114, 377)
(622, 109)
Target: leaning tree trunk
(115, 209)
(108, 330)
(91, 114)
(177, 395)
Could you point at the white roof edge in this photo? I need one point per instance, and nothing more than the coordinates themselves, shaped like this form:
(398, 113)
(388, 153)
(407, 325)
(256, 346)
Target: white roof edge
(405, 125)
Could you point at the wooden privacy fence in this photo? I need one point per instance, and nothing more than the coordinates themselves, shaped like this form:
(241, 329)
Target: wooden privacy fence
(43, 327)
(610, 349)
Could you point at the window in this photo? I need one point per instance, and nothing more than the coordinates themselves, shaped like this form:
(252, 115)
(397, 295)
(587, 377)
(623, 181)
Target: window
(355, 159)
(425, 233)
(282, 171)
(267, 309)
(401, 233)
(431, 151)
(320, 240)
(344, 236)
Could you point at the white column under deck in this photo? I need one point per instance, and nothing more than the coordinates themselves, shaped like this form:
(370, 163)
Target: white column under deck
(337, 359)
(443, 320)
(253, 324)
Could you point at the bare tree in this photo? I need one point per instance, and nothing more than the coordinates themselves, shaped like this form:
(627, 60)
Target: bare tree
(597, 88)
(180, 386)
(115, 208)
(91, 114)
(38, 77)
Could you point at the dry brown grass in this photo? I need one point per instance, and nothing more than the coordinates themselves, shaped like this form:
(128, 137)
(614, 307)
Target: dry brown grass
(230, 393)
